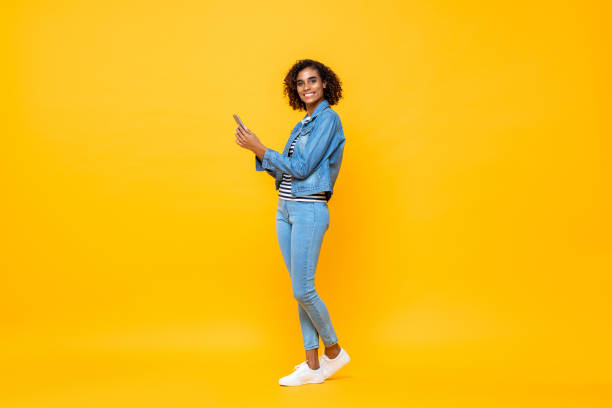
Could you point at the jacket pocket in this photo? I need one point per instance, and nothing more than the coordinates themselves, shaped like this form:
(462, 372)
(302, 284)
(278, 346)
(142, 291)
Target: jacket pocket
(306, 131)
(301, 143)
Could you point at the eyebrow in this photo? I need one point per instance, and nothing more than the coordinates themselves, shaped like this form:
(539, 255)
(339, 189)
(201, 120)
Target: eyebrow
(307, 78)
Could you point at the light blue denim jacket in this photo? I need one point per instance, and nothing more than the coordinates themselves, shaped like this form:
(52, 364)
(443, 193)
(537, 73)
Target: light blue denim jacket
(316, 158)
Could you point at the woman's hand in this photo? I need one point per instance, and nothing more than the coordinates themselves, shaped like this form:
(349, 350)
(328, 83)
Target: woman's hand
(248, 140)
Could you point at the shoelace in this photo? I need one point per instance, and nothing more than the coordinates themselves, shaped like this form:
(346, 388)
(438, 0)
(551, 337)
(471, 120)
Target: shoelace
(303, 363)
(300, 365)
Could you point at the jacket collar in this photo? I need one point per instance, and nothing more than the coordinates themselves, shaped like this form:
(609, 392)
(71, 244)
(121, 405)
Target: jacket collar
(322, 105)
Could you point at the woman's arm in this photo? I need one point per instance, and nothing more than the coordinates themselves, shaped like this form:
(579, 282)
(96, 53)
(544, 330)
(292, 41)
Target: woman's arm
(259, 151)
(298, 165)
(258, 167)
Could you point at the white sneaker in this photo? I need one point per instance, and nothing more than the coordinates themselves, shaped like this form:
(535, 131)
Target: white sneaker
(303, 375)
(331, 365)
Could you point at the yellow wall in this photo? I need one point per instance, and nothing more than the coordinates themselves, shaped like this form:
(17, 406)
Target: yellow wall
(469, 240)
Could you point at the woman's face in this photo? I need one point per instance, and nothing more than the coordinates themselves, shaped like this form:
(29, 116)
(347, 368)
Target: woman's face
(309, 86)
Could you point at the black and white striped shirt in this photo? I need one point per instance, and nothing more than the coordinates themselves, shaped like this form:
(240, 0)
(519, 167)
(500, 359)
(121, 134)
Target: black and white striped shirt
(284, 190)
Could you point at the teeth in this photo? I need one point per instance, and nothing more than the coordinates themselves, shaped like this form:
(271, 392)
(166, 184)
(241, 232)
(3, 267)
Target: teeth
(308, 94)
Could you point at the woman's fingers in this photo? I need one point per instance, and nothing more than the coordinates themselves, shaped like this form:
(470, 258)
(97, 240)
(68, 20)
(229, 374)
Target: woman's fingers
(242, 136)
(239, 135)
(244, 132)
(240, 139)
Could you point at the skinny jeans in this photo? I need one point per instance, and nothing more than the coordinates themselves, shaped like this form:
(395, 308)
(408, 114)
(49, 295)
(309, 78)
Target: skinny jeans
(300, 227)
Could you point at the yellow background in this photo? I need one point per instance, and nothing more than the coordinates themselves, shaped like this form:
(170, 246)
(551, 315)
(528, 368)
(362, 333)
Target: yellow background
(468, 257)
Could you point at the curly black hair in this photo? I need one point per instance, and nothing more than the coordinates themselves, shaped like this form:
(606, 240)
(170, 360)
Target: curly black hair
(332, 92)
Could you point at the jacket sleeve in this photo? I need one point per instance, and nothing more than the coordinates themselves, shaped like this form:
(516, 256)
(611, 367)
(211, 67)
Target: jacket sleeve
(301, 166)
(258, 167)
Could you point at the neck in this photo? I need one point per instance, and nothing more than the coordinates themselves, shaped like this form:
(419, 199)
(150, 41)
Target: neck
(311, 108)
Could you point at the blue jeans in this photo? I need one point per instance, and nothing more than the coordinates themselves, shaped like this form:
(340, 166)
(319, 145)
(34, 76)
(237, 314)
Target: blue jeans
(300, 227)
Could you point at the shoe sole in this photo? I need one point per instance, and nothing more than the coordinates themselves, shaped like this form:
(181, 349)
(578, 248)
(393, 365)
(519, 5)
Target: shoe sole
(306, 383)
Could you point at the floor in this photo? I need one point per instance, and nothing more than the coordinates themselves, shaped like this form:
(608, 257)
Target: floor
(140, 369)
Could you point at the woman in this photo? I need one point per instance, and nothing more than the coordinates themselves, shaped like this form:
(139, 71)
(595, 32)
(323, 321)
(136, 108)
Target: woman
(305, 174)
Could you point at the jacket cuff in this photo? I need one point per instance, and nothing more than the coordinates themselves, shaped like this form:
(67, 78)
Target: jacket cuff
(266, 160)
(258, 166)
(264, 163)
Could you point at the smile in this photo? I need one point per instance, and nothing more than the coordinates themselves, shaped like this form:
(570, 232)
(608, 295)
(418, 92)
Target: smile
(309, 94)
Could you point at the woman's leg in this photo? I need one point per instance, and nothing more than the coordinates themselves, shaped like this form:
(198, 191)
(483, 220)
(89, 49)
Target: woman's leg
(309, 332)
(310, 221)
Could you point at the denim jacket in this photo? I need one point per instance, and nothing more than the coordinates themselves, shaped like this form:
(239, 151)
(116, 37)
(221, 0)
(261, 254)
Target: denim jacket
(316, 158)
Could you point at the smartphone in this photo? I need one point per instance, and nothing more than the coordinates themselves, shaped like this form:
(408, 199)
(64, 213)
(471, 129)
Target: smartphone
(239, 122)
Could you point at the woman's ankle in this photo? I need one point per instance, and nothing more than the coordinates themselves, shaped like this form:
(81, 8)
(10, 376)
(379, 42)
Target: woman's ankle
(312, 366)
(332, 351)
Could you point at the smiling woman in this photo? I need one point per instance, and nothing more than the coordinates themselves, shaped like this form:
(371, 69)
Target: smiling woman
(306, 77)
(305, 175)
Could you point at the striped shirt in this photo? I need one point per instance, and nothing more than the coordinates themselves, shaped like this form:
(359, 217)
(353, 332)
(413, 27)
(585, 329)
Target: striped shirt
(284, 191)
